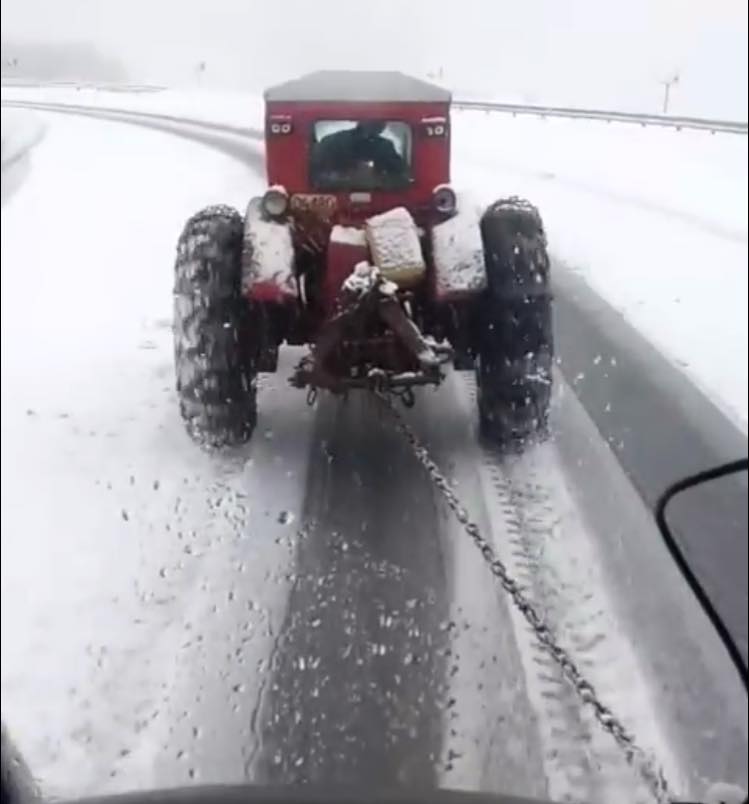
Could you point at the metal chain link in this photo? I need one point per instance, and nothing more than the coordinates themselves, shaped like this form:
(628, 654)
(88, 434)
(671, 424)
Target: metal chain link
(636, 756)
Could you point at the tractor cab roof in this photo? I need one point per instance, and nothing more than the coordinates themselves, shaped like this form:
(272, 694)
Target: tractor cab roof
(349, 86)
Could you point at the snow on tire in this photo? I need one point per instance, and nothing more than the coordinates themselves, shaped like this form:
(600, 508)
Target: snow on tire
(516, 345)
(214, 372)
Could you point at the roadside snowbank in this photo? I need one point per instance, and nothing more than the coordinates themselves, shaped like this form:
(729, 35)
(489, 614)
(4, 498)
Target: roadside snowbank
(21, 131)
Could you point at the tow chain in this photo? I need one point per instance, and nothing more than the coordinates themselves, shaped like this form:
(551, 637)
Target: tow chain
(640, 760)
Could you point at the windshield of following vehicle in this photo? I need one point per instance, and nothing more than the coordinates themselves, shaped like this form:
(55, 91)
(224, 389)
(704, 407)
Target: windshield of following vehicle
(347, 350)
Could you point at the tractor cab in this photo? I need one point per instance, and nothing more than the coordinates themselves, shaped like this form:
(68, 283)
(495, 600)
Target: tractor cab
(354, 144)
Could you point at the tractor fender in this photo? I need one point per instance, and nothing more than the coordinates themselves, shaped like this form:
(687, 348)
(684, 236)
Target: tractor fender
(458, 254)
(267, 258)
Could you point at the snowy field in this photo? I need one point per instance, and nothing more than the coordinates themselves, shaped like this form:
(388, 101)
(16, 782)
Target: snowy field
(654, 219)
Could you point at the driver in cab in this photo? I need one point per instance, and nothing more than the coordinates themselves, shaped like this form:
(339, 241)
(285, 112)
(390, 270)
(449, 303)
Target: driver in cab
(343, 152)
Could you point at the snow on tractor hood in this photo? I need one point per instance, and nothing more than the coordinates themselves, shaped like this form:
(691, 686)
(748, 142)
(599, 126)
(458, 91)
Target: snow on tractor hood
(457, 248)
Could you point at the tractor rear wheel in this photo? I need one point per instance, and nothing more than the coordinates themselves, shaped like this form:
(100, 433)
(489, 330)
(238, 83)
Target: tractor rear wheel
(215, 370)
(516, 345)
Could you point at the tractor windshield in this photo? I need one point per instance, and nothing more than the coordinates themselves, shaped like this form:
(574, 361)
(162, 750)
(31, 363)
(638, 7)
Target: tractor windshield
(360, 155)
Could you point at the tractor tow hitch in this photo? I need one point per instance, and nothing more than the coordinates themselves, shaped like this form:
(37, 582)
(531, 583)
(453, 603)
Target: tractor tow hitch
(371, 343)
(376, 380)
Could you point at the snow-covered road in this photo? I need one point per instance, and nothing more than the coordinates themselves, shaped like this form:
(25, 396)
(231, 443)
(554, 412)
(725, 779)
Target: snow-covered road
(120, 541)
(306, 608)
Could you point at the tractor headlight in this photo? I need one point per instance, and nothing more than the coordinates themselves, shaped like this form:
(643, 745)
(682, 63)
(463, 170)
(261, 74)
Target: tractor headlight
(276, 202)
(444, 199)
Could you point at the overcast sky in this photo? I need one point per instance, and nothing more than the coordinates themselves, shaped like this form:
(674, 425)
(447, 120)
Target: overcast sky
(566, 51)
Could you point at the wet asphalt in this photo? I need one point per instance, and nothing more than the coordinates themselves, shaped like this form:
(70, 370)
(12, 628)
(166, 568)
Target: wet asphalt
(358, 677)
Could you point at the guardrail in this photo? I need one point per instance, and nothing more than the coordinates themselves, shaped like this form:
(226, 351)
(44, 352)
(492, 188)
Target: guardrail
(698, 123)
(28, 83)
(642, 119)
(47, 106)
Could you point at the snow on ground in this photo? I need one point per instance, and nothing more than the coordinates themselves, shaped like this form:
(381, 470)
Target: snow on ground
(21, 130)
(525, 506)
(654, 219)
(111, 518)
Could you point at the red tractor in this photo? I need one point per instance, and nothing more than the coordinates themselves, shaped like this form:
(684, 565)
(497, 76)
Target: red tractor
(361, 250)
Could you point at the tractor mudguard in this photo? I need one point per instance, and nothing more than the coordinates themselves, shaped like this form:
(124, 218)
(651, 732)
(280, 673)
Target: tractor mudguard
(458, 255)
(267, 258)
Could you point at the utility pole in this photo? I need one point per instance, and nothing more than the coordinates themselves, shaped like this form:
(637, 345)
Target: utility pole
(667, 84)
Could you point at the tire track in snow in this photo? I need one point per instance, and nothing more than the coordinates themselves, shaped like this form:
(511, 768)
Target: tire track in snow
(536, 526)
(553, 556)
(591, 766)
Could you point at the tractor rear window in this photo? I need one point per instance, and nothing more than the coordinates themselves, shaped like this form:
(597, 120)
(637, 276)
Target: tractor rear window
(360, 155)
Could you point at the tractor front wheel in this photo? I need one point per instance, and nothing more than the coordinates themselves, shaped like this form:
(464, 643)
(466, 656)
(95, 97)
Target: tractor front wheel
(515, 337)
(215, 369)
